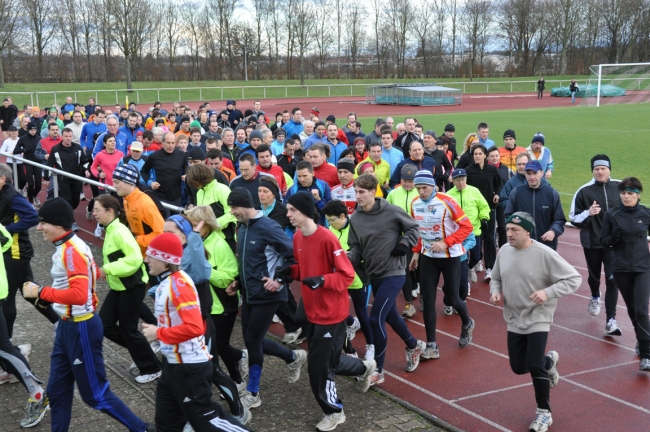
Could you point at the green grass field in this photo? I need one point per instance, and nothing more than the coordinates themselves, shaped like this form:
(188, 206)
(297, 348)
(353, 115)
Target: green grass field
(109, 93)
(573, 134)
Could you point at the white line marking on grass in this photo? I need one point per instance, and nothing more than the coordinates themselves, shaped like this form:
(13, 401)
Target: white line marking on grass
(448, 402)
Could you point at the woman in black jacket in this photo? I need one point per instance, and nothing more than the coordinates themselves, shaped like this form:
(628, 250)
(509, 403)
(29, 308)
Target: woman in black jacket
(485, 178)
(26, 147)
(625, 228)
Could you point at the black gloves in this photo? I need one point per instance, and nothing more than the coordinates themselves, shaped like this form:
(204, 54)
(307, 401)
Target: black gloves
(314, 282)
(484, 224)
(283, 274)
(400, 249)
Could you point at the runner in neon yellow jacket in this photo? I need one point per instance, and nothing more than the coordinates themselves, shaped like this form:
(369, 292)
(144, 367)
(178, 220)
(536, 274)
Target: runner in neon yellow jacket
(5, 243)
(127, 278)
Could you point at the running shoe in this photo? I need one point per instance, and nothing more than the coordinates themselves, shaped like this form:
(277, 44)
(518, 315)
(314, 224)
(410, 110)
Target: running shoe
(409, 310)
(291, 337)
(594, 306)
(251, 401)
(6, 377)
(488, 275)
(611, 329)
(366, 378)
(143, 379)
(416, 292)
(644, 365)
(301, 338)
(75, 227)
(293, 368)
(370, 352)
(37, 202)
(242, 365)
(413, 356)
(478, 267)
(377, 378)
(23, 192)
(431, 352)
(543, 420)
(98, 231)
(155, 346)
(35, 411)
(469, 289)
(472, 276)
(466, 334)
(331, 421)
(276, 319)
(449, 310)
(25, 350)
(89, 215)
(553, 375)
(82, 197)
(188, 427)
(354, 328)
(245, 416)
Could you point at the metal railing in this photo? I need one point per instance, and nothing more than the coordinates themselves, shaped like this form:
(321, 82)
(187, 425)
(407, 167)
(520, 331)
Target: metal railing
(172, 94)
(55, 179)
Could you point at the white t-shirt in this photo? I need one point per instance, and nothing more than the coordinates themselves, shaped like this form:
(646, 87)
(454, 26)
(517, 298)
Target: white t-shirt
(8, 147)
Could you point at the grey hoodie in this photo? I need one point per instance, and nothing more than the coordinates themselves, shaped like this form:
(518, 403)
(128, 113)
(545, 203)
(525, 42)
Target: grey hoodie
(374, 234)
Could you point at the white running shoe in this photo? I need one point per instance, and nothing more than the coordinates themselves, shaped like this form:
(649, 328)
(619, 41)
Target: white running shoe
(416, 292)
(553, 375)
(472, 276)
(25, 350)
(611, 329)
(478, 267)
(370, 352)
(365, 379)
(488, 275)
(89, 215)
(409, 310)
(431, 352)
(543, 420)
(143, 379)
(469, 289)
(292, 337)
(449, 310)
(245, 416)
(241, 387)
(276, 319)
(594, 306)
(354, 328)
(250, 401)
(413, 356)
(98, 231)
(242, 364)
(293, 368)
(37, 202)
(331, 421)
(6, 377)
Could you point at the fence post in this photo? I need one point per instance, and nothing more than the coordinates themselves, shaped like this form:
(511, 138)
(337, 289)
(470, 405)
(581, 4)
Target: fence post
(221, 92)
(307, 91)
(55, 183)
(32, 98)
(242, 92)
(75, 97)
(510, 86)
(37, 104)
(350, 89)
(54, 98)
(264, 92)
(96, 97)
(117, 100)
(200, 94)
(15, 164)
(179, 94)
(329, 90)
(487, 87)
(137, 96)
(158, 95)
(464, 91)
(286, 92)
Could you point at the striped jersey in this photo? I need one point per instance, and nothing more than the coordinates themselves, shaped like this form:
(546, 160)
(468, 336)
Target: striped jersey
(180, 325)
(440, 218)
(347, 195)
(74, 272)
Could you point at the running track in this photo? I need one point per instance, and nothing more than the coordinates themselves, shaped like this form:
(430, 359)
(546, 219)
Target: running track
(600, 388)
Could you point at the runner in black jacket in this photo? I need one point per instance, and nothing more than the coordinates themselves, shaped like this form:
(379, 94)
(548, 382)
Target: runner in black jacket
(69, 157)
(588, 209)
(164, 169)
(625, 228)
(26, 147)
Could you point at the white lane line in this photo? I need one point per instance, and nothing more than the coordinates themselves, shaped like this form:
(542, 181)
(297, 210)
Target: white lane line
(570, 244)
(599, 369)
(600, 339)
(448, 402)
(614, 398)
(491, 392)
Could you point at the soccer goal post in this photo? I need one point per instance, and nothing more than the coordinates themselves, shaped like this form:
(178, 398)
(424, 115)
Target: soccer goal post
(622, 82)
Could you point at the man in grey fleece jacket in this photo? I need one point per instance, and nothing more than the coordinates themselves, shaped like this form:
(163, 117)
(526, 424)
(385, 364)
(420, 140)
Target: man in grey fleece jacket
(380, 235)
(531, 277)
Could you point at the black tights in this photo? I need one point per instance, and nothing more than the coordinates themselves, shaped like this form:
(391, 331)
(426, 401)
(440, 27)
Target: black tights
(527, 355)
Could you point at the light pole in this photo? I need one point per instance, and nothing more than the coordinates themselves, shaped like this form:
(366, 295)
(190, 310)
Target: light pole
(245, 65)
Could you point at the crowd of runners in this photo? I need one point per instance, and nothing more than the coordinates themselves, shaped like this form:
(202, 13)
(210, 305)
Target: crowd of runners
(293, 219)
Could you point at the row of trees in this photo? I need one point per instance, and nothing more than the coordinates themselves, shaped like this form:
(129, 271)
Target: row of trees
(123, 40)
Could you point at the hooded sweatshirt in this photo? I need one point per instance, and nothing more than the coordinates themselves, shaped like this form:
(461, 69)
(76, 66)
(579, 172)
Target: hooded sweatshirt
(375, 233)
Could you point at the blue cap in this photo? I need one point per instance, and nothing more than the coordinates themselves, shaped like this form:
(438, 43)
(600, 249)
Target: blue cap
(459, 172)
(533, 166)
(230, 102)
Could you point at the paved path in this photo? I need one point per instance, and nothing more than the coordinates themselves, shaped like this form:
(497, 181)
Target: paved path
(284, 407)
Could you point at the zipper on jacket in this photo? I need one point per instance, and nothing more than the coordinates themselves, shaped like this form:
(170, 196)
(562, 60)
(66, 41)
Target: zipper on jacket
(606, 200)
(243, 266)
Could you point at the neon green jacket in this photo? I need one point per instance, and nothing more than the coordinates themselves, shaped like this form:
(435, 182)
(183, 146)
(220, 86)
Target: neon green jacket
(473, 204)
(123, 262)
(343, 239)
(382, 170)
(215, 192)
(402, 199)
(5, 243)
(224, 271)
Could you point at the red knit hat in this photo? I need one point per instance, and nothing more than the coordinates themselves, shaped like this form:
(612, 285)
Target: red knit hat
(167, 248)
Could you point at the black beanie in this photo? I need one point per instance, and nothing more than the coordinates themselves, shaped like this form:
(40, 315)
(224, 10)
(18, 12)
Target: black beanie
(346, 164)
(303, 202)
(57, 212)
(600, 160)
(240, 197)
(509, 134)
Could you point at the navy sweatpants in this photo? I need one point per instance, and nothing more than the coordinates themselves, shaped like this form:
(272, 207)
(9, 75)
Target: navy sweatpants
(77, 357)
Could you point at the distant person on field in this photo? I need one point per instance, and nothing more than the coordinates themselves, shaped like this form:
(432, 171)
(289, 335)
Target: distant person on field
(573, 88)
(540, 88)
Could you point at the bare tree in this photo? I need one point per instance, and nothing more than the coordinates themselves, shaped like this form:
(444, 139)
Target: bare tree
(453, 15)
(339, 8)
(323, 37)
(377, 14)
(355, 34)
(422, 28)
(170, 27)
(68, 16)
(476, 20)
(261, 16)
(223, 19)
(42, 26)
(566, 16)
(8, 18)
(401, 14)
(617, 19)
(521, 20)
(87, 28)
(304, 27)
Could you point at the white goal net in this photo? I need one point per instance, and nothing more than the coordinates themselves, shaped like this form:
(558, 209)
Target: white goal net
(617, 83)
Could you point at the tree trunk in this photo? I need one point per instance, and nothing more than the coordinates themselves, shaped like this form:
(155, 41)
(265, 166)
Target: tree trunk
(2, 74)
(129, 84)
